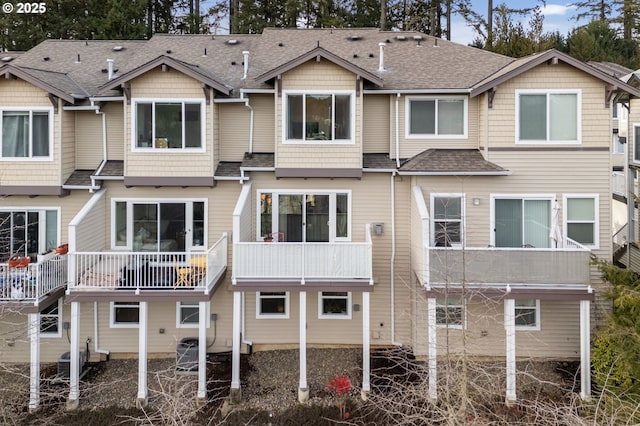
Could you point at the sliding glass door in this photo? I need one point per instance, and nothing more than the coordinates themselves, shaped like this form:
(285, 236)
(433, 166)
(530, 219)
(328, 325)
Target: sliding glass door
(522, 222)
(304, 217)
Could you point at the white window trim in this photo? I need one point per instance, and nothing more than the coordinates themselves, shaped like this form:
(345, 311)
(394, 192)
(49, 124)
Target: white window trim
(112, 318)
(617, 148)
(407, 125)
(58, 334)
(346, 316)
(492, 214)
(134, 125)
(548, 92)
(275, 193)
(463, 304)
(284, 315)
(596, 212)
(180, 324)
(636, 129)
(535, 327)
(51, 136)
(285, 117)
(42, 216)
(131, 201)
(432, 225)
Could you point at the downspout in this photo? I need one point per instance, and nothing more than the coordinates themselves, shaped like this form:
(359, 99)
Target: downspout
(393, 261)
(397, 131)
(246, 103)
(96, 349)
(104, 142)
(243, 325)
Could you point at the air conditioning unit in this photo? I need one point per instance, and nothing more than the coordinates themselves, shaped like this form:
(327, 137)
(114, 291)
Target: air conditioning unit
(187, 354)
(64, 364)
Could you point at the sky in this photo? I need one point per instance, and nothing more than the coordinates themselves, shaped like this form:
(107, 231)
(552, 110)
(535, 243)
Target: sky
(557, 17)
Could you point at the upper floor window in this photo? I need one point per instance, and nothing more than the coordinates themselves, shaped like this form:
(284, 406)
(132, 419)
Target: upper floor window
(322, 116)
(447, 213)
(444, 117)
(168, 124)
(582, 219)
(548, 116)
(26, 133)
(27, 232)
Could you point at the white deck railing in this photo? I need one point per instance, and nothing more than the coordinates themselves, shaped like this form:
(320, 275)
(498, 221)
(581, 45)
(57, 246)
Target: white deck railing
(137, 271)
(34, 281)
(300, 261)
(619, 183)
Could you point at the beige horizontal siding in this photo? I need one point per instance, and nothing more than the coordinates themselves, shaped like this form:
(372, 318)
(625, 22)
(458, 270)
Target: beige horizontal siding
(596, 117)
(89, 147)
(171, 84)
(264, 122)
(319, 76)
(67, 137)
(234, 131)
(377, 123)
(115, 130)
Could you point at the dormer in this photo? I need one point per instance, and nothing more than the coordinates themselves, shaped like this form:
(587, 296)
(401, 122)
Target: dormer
(319, 115)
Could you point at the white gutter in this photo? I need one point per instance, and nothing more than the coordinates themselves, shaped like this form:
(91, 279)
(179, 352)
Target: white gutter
(257, 169)
(263, 91)
(397, 130)
(393, 261)
(104, 143)
(96, 349)
(409, 173)
(111, 178)
(106, 98)
(416, 91)
(80, 108)
(91, 188)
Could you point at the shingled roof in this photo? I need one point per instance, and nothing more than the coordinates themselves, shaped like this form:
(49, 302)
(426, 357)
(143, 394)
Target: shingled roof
(451, 162)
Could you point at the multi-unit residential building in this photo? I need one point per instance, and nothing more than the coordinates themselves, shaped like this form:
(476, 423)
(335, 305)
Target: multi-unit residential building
(297, 188)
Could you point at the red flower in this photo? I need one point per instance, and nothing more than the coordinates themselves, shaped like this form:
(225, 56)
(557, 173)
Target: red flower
(340, 384)
(347, 415)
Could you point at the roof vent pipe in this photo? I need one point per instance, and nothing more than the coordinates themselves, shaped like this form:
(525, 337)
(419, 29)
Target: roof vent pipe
(381, 67)
(110, 68)
(245, 53)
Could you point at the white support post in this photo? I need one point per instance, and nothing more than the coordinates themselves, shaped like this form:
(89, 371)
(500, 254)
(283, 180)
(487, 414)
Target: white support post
(433, 361)
(202, 351)
(74, 361)
(366, 346)
(34, 373)
(303, 390)
(585, 349)
(142, 354)
(235, 395)
(510, 331)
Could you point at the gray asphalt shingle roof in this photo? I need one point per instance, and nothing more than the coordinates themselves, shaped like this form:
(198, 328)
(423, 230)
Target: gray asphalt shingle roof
(451, 161)
(80, 67)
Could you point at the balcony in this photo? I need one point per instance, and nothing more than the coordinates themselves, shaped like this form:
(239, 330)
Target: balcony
(136, 273)
(340, 263)
(509, 265)
(618, 184)
(30, 284)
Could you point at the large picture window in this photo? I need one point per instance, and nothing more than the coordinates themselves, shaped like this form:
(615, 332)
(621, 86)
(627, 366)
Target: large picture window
(168, 124)
(581, 219)
(436, 117)
(552, 116)
(25, 134)
(522, 222)
(319, 117)
(304, 217)
(27, 232)
(447, 214)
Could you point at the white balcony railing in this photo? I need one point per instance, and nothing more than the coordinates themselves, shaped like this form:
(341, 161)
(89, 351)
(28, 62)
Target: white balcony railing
(34, 281)
(96, 271)
(302, 261)
(618, 183)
